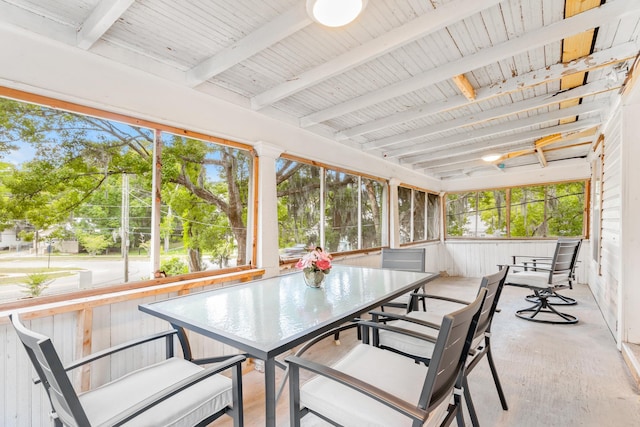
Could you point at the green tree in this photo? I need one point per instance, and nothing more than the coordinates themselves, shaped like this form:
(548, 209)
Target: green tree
(75, 174)
(94, 243)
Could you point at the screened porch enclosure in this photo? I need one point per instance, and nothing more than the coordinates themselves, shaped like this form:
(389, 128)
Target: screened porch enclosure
(152, 150)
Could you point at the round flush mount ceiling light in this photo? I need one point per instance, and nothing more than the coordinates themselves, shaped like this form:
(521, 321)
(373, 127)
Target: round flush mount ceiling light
(491, 157)
(335, 13)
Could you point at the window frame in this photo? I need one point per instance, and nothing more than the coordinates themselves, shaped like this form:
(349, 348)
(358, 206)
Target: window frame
(156, 127)
(508, 207)
(439, 211)
(385, 204)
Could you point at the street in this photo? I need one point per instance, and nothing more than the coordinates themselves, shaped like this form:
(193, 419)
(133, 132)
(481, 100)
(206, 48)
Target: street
(95, 272)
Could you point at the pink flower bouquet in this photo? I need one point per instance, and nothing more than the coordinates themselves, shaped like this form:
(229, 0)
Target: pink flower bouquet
(316, 260)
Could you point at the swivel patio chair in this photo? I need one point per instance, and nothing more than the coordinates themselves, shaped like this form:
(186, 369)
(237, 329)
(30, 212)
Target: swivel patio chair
(374, 387)
(174, 392)
(531, 262)
(545, 280)
(428, 322)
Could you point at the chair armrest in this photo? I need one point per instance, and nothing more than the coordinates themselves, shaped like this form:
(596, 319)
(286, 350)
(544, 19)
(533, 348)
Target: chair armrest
(393, 402)
(115, 349)
(217, 359)
(382, 316)
(329, 333)
(163, 395)
(440, 297)
(527, 267)
(402, 331)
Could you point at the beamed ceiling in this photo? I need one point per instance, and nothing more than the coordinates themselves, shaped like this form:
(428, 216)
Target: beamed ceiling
(431, 85)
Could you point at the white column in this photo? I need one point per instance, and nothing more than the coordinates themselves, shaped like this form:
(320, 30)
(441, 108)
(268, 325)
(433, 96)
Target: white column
(267, 238)
(394, 217)
(629, 315)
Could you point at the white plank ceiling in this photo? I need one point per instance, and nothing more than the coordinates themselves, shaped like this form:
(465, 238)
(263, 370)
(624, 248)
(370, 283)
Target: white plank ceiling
(385, 83)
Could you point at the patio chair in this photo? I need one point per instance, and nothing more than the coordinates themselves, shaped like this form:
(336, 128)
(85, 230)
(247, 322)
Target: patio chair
(428, 322)
(531, 262)
(409, 259)
(545, 280)
(374, 387)
(174, 392)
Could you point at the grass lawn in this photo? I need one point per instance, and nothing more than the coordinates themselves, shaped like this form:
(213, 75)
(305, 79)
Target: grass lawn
(18, 274)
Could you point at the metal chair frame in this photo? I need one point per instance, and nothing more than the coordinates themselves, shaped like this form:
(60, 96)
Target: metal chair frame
(444, 376)
(66, 407)
(408, 259)
(493, 284)
(563, 262)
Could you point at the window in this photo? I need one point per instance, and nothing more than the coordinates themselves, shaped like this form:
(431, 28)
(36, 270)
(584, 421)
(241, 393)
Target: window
(205, 202)
(76, 195)
(477, 214)
(419, 213)
(533, 211)
(320, 206)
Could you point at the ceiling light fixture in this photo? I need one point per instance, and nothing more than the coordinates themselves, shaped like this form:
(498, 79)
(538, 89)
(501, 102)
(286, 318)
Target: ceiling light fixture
(335, 13)
(491, 157)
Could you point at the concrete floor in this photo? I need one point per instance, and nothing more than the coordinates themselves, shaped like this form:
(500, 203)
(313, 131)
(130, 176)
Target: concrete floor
(552, 375)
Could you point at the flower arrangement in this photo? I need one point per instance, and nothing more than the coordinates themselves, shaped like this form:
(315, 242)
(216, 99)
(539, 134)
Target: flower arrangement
(316, 260)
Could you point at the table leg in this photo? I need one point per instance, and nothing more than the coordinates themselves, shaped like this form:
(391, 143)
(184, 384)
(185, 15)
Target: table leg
(270, 392)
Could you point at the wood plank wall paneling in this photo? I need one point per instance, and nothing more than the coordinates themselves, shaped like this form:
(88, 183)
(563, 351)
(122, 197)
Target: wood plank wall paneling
(604, 284)
(24, 404)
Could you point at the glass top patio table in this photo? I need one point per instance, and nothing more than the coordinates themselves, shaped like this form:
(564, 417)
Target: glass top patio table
(267, 317)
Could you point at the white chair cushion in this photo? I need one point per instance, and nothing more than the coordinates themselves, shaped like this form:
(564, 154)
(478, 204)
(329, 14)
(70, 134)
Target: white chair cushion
(414, 346)
(186, 408)
(537, 279)
(391, 372)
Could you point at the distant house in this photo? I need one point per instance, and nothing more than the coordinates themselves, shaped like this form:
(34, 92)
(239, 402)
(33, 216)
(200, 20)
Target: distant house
(9, 239)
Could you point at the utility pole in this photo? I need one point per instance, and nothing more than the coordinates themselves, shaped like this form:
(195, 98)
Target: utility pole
(124, 219)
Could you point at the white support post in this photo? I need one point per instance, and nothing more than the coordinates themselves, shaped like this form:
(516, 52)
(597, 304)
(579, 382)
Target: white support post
(394, 227)
(267, 238)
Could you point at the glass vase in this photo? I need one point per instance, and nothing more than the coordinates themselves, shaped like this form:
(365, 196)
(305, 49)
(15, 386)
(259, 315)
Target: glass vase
(313, 279)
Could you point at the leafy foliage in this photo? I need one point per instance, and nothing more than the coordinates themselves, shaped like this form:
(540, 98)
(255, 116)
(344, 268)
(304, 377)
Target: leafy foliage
(73, 175)
(174, 266)
(36, 283)
(348, 199)
(535, 211)
(94, 243)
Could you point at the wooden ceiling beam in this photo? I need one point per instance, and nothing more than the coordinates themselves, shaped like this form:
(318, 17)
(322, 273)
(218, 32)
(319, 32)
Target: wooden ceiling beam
(541, 158)
(100, 20)
(493, 131)
(555, 72)
(428, 23)
(548, 34)
(465, 87)
(520, 141)
(475, 118)
(574, 47)
(269, 34)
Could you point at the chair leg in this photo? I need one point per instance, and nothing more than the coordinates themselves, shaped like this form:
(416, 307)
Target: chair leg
(543, 306)
(472, 410)
(496, 380)
(458, 406)
(557, 299)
